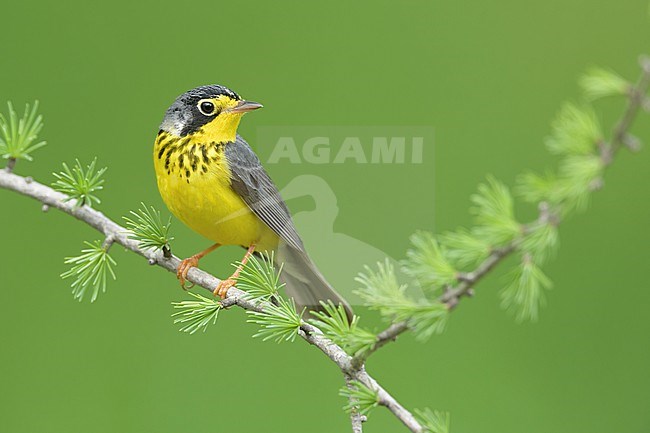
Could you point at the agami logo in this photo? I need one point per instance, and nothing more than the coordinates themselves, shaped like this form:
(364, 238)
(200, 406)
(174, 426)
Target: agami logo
(342, 145)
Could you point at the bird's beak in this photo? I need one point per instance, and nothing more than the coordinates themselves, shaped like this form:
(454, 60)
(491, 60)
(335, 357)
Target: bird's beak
(245, 106)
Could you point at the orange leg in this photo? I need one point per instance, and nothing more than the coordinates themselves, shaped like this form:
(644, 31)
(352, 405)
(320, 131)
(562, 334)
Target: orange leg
(222, 289)
(191, 262)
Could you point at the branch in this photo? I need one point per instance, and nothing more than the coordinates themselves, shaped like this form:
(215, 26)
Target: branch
(352, 367)
(387, 400)
(451, 297)
(115, 233)
(466, 281)
(384, 337)
(637, 97)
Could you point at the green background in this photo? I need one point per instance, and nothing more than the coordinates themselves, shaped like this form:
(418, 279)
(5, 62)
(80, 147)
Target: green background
(487, 76)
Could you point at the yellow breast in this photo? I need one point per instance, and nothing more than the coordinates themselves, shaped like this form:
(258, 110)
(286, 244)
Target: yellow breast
(194, 182)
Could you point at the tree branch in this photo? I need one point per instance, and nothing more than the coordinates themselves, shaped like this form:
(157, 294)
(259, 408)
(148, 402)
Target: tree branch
(637, 101)
(115, 233)
(353, 368)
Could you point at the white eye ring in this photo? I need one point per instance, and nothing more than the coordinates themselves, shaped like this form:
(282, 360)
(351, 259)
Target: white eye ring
(206, 107)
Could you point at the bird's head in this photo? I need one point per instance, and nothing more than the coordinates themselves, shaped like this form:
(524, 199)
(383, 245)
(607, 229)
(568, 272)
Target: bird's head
(210, 113)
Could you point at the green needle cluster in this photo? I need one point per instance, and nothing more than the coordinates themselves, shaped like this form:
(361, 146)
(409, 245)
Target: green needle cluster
(147, 228)
(196, 315)
(334, 323)
(79, 183)
(433, 421)
(18, 136)
(361, 399)
(381, 291)
(90, 270)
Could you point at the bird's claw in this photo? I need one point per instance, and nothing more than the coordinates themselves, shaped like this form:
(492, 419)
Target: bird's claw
(184, 268)
(222, 288)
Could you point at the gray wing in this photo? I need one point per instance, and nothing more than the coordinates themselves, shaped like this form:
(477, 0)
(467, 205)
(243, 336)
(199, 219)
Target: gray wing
(255, 187)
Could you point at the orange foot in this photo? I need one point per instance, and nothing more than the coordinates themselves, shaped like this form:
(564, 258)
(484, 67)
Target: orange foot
(184, 268)
(222, 288)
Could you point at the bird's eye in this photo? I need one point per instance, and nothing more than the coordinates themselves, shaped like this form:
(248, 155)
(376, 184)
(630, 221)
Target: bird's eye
(206, 107)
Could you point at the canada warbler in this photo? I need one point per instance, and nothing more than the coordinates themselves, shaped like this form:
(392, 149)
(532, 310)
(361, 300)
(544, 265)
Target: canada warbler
(211, 179)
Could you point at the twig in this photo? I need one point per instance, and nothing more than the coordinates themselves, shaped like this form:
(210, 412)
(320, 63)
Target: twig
(384, 337)
(108, 242)
(636, 99)
(355, 417)
(452, 296)
(118, 234)
(11, 163)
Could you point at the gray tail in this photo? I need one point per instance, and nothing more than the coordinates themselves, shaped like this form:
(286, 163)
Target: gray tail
(304, 282)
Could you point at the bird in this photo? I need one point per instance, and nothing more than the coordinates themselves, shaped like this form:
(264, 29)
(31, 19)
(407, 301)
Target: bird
(211, 180)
